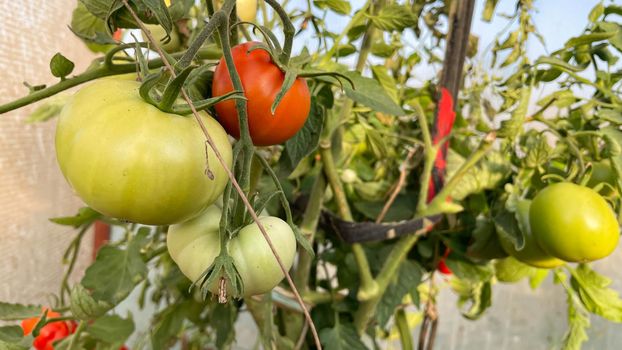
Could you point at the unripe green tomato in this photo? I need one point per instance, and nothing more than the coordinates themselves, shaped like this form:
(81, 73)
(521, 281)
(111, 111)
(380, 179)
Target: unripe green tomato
(531, 253)
(246, 10)
(573, 223)
(127, 159)
(510, 270)
(195, 244)
(159, 34)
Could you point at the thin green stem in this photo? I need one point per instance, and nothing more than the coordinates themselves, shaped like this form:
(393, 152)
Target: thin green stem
(308, 227)
(75, 339)
(368, 286)
(100, 72)
(288, 31)
(73, 249)
(214, 22)
(401, 321)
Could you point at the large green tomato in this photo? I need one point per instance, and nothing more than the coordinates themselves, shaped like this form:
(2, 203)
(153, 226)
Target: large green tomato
(127, 159)
(195, 244)
(531, 253)
(573, 223)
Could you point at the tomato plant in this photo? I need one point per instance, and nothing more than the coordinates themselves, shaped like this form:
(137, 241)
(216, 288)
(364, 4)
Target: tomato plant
(127, 170)
(573, 223)
(195, 244)
(262, 80)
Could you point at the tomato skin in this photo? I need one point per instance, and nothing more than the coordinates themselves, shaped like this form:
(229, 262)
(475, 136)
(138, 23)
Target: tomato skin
(194, 245)
(246, 10)
(127, 159)
(49, 333)
(531, 253)
(158, 33)
(573, 223)
(262, 80)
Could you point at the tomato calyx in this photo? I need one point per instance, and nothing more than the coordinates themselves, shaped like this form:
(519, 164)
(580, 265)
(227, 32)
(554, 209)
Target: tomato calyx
(223, 272)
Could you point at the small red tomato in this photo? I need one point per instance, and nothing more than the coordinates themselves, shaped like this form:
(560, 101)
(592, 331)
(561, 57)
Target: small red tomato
(50, 333)
(262, 80)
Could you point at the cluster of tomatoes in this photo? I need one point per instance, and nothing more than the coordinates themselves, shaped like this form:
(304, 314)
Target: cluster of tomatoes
(50, 333)
(129, 160)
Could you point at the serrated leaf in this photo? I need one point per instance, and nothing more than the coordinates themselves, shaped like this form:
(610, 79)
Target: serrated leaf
(50, 108)
(558, 63)
(407, 280)
(116, 272)
(11, 334)
(339, 6)
(596, 12)
(489, 10)
(538, 151)
(578, 322)
(381, 49)
(512, 127)
(476, 295)
(507, 227)
(14, 312)
(84, 216)
(89, 27)
(485, 242)
(610, 115)
(169, 323)
(60, 66)
(394, 17)
(111, 329)
(341, 337)
(562, 99)
(593, 290)
(381, 74)
(83, 306)
(589, 38)
(486, 175)
(307, 139)
(370, 93)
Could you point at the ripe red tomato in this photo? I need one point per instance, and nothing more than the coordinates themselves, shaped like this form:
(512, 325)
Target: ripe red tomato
(442, 265)
(262, 81)
(50, 333)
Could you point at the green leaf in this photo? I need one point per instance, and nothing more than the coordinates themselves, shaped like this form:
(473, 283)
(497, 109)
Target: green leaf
(610, 115)
(85, 216)
(558, 63)
(578, 322)
(116, 272)
(486, 175)
(88, 27)
(111, 329)
(512, 127)
(589, 38)
(616, 40)
(394, 17)
(536, 279)
(307, 139)
(477, 294)
(489, 10)
(169, 324)
(60, 66)
(159, 10)
(538, 151)
(596, 12)
(15, 312)
(509, 42)
(468, 271)
(485, 242)
(11, 334)
(339, 6)
(613, 9)
(83, 306)
(381, 49)
(406, 282)
(595, 294)
(225, 326)
(381, 74)
(48, 109)
(341, 337)
(371, 94)
(507, 227)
